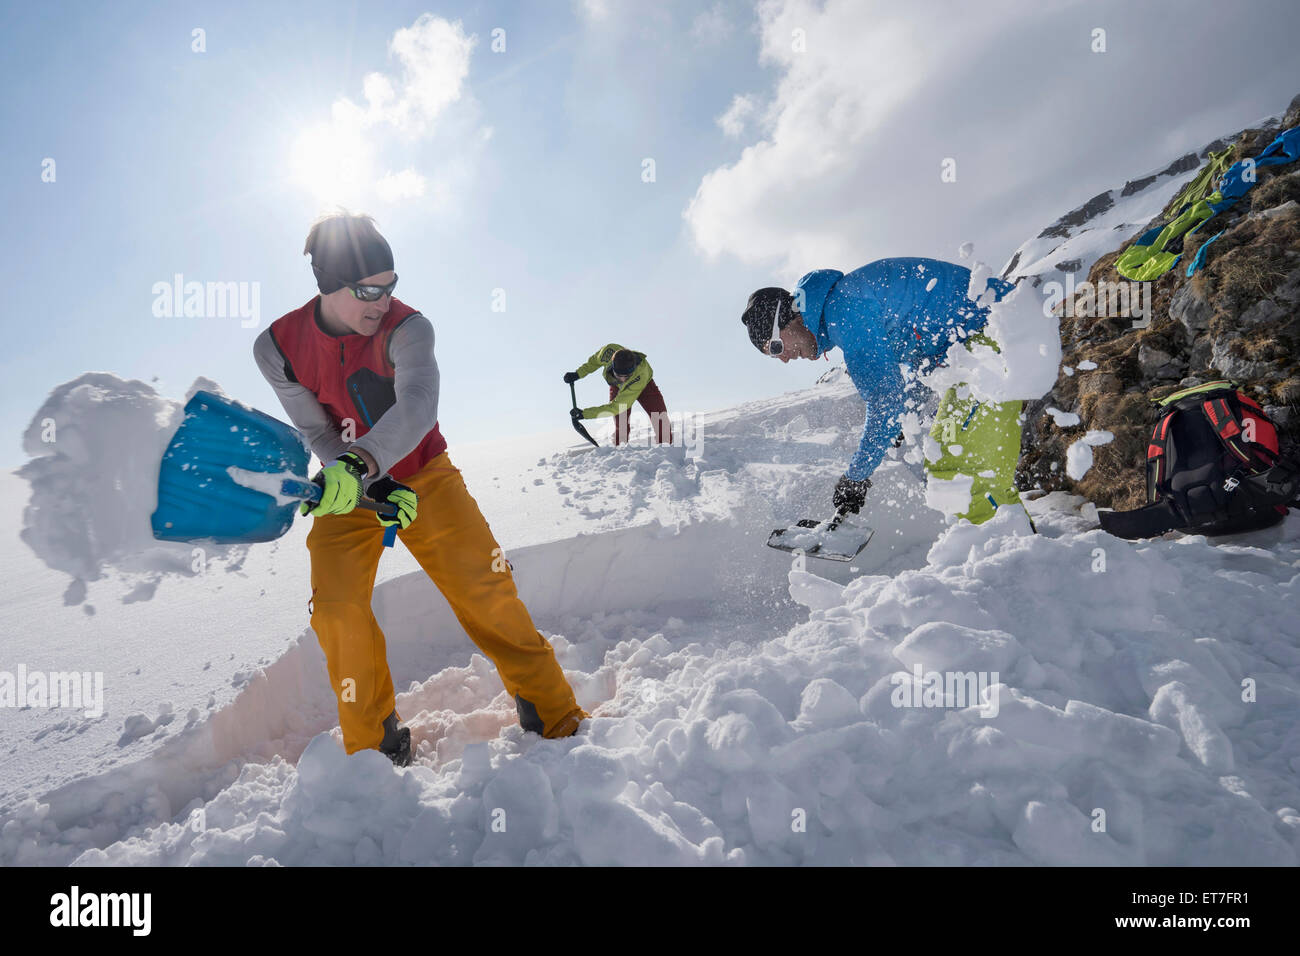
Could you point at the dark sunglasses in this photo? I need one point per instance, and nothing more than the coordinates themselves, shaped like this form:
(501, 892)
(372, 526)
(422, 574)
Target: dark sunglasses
(371, 293)
(366, 293)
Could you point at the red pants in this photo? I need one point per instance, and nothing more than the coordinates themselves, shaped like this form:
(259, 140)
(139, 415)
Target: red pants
(653, 402)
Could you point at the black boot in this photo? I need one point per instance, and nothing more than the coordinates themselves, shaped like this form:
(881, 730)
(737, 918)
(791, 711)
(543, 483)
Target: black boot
(396, 744)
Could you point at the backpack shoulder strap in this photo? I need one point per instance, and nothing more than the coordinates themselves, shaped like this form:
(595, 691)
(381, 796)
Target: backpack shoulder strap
(1223, 418)
(1157, 454)
(1219, 414)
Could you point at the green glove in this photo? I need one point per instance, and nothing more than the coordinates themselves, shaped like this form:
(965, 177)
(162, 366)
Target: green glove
(394, 493)
(340, 487)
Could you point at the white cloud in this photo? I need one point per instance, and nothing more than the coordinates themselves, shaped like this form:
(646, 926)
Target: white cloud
(858, 63)
(733, 120)
(336, 159)
(868, 102)
(434, 55)
(847, 165)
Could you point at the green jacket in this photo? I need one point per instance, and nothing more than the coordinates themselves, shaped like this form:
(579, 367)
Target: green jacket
(627, 391)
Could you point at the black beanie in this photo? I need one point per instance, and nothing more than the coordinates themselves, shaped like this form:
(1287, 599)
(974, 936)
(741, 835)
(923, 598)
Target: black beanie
(624, 362)
(760, 311)
(347, 249)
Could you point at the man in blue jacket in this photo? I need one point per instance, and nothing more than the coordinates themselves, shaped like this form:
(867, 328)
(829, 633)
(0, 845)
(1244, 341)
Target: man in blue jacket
(893, 319)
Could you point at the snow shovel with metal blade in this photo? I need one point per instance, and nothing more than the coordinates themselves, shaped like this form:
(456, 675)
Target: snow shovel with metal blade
(822, 539)
(573, 392)
(234, 475)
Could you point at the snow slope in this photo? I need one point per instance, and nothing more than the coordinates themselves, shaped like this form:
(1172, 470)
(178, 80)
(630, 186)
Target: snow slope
(1080, 238)
(747, 710)
(1071, 245)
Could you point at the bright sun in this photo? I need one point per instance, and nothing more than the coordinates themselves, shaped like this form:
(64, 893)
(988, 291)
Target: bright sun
(332, 161)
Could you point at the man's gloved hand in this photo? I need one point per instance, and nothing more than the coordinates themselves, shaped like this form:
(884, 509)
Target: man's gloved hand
(340, 486)
(570, 378)
(850, 495)
(577, 414)
(394, 493)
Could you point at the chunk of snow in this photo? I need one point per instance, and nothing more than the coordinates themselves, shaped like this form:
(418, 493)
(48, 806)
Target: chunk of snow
(1078, 459)
(951, 497)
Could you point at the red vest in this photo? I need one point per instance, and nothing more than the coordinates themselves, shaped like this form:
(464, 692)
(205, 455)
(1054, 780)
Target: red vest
(351, 375)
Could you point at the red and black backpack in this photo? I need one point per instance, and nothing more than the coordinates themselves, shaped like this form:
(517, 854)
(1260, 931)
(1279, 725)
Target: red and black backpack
(1213, 467)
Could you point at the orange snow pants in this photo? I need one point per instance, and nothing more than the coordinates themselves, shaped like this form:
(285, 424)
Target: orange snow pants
(453, 543)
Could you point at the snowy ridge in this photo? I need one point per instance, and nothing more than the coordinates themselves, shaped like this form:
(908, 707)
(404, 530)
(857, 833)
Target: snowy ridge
(1101, 225)
(746, 709)
(1078, 239)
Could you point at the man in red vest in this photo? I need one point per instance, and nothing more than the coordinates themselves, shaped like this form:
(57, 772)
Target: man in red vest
(355, 371)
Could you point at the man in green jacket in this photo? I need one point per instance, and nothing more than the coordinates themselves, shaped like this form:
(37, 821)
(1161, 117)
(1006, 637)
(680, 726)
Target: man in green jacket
(630, 379)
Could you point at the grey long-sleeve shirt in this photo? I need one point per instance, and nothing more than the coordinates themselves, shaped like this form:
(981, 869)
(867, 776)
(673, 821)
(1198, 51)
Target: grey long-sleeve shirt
(398, 430)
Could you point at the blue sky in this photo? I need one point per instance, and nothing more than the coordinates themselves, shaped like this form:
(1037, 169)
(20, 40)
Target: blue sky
(530, 160)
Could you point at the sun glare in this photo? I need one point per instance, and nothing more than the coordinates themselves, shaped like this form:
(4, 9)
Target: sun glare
(331, 161)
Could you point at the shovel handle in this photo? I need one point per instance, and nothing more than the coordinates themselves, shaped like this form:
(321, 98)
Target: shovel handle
(310, 491)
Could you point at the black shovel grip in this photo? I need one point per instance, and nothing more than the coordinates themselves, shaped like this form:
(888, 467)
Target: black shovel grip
(382, 508)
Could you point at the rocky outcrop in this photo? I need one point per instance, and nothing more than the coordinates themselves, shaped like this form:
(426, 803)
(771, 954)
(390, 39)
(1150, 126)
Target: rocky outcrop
(1238, 318)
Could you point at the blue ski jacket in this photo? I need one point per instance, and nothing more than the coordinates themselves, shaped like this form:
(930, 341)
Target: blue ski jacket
(889, 316)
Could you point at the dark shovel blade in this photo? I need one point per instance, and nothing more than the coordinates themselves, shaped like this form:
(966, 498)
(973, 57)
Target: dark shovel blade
(583, 432)
(837, 542)
(573, 395)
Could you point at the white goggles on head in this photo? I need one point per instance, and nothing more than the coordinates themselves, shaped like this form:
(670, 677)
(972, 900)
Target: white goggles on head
(775, 346)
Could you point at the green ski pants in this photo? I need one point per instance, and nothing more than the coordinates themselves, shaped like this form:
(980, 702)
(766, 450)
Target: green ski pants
(980, 439)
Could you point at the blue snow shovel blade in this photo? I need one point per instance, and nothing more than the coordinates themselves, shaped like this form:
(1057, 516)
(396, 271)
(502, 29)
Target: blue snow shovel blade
(197, 498)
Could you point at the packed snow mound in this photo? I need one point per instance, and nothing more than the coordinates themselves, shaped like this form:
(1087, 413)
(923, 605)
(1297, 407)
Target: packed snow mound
(96, 443)
(1019, 699)
(959, 695)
